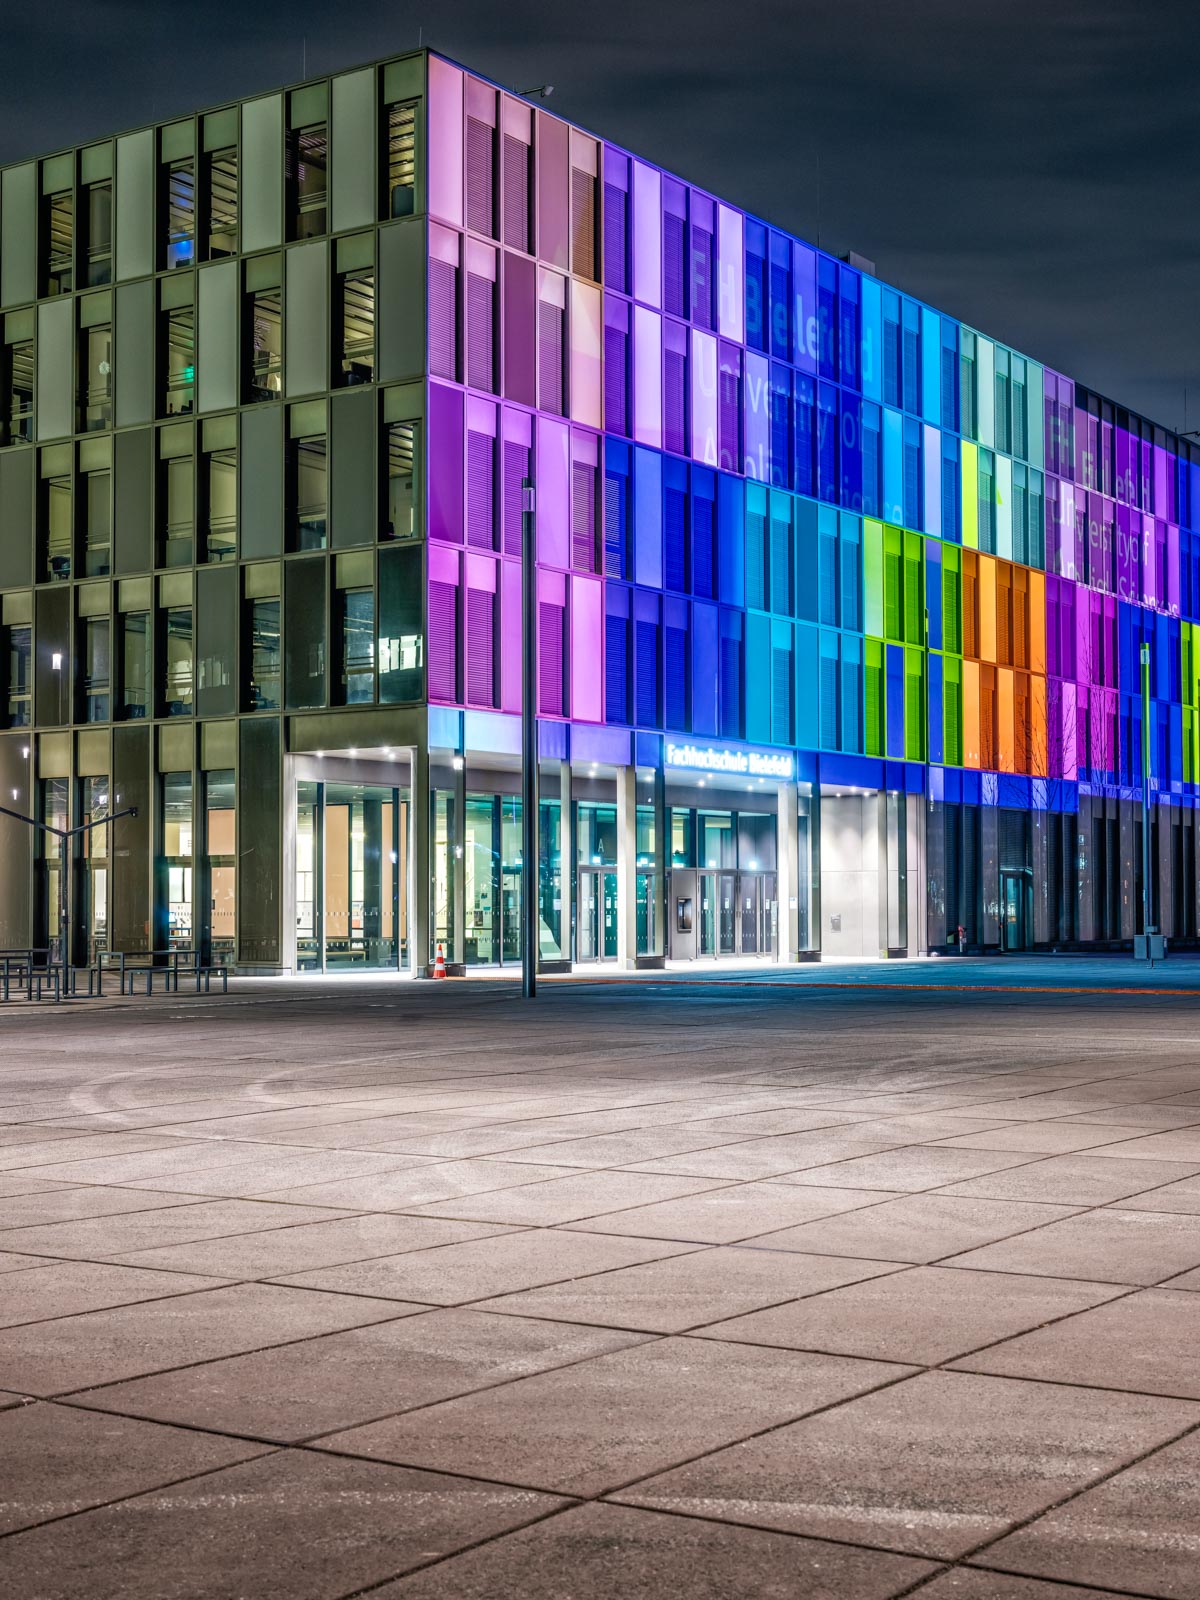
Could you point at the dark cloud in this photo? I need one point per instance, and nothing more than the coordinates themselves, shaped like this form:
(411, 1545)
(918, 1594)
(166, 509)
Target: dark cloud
(1027, 164)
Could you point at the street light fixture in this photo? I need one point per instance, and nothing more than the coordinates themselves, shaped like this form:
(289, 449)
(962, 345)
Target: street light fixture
(64, 837)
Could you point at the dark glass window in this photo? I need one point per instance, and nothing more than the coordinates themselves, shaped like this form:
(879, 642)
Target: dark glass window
(56, 530)
(356, 296)
(308, 493)
(402, 458)
(177, 655)
(262, 692)
(95, 400)
(180, 178)
(402, 159)
(96, 669)
(179, 356)
(17, 376)
(221, 174)
(19, 666)
(357, 665)
(265, 342)
(177, 511)
(97, 217)
(219, 488)
(308, 164)
(135, 665)
(97, 529)
(401, 626)
(59, 213)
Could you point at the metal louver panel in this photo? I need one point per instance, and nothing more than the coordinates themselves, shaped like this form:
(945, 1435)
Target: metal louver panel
(674, 281)
(614, 525)
(781, 696)
(480, 199)
(781, 566)
(480, 337)
(443, 319)
(731, 688)
(516, 193)
(443, 640)
(827, 579)
(583, 516)
(480, 489)
(675, 678)
(702, 276)
(675, 402)
(914, 616)
(1004, 625)
(703, 564)
(583, 223)
(550, 659)
(646, 673)
(756, 560)
(616, 669)
(849, 585)
(674, 539)
(481, 605)
(615, 247)
(828, 702)
(550, 358)
(616, 380)
(851, 707)
(516, 467)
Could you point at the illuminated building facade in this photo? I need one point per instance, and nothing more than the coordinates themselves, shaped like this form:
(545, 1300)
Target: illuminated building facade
(839, 601)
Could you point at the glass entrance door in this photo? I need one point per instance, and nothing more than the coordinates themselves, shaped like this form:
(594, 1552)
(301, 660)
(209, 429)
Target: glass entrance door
(350, 872)
(757, 913)
(1014, 911)
(718, 913)
(597, 915)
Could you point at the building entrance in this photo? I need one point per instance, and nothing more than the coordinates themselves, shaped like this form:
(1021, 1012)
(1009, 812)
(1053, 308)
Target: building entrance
(1016, 898)
(351, 867)
(723, 885)
(597, 925)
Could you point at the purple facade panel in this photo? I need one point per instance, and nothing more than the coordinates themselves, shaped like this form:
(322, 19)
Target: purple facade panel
(510, 636)
(647, 377)
(553, 492)
(647, 235)
(445, 141)
(587, 649)
(445, 463)
(520, 322)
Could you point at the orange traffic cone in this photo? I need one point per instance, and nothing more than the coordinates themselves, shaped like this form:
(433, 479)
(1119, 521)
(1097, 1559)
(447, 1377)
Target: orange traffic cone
(439, 965)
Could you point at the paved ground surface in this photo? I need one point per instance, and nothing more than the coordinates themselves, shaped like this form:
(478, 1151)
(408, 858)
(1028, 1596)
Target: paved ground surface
(840, 1284)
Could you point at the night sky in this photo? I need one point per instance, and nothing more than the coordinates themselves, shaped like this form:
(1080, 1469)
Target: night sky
(1032, 166)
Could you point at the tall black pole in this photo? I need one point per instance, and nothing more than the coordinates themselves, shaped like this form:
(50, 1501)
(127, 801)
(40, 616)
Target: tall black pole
(529, 750)
(64, 837)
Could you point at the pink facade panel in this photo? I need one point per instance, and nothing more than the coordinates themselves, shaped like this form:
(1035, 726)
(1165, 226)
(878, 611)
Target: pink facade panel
(554, 214)
(587, 649)
(510, 636)
(647, 377)
(704, 397)
(731, 270)
(445, 141)
(647, 235)
(586, 341)
(756, 447)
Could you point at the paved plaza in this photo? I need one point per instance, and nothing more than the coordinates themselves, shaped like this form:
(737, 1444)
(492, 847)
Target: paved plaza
(832, 1283)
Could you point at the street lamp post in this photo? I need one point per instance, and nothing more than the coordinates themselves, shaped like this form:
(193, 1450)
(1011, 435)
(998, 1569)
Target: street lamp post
(64, 837)
(529, 743)
(1148, 931)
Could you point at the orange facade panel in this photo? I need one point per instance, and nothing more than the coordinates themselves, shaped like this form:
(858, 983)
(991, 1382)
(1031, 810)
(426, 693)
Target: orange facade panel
(1039, 743)
(1037, 622)
(987, 608)
(1006, 733)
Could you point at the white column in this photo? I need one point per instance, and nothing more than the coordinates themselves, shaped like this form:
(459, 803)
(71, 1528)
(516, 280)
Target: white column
(626, 867)
(787, 865)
